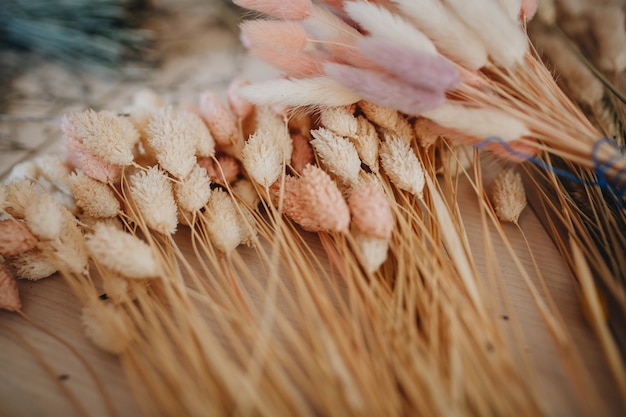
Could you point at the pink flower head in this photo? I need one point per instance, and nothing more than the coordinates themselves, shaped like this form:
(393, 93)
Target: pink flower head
(15, 238)
(371, 212)
(218, 118)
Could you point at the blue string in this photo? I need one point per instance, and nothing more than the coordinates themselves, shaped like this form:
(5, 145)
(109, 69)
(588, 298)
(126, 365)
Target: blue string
(617, 185)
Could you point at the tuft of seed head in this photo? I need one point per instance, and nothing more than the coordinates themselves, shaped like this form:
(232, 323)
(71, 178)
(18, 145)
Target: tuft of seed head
(15, 238)
(221, 123)
(371, 212)
(338, 154)
(424, 133)
(93, 197)
(367, 143)
(302, 154)
(292, 205)
(373, 251)
(388, 119)
(402, 166)
(205, 144)
(107, 326)
(173, 140)
(69, 249)
(322, 201)
(32, 265)
(55, 170)
(277, 128)
(262, 159)
(222, 222)
(18, 195)
(9, 295)
(245, 190)
(152, 193)
(193, 192)
(44, 216)
(340, 121)
(508, 195)
(106, 135)
(122, 252)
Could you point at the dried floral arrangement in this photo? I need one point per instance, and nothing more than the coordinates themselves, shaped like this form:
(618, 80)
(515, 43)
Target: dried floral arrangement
(321, 265)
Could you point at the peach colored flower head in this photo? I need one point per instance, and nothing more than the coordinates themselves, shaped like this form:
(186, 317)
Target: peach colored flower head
(371, 212)
(221, 122)
(15, 238)
(322, 201)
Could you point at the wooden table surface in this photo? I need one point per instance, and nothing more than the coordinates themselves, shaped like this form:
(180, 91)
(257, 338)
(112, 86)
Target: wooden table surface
(201, 52)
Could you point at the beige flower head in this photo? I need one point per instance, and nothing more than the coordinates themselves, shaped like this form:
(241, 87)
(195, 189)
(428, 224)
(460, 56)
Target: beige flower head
(106, 135)
(96, 168)
(32, 265)
(402, 166)
(424, 132)
(276, 128)
(93, 197)
(200, 133)
(69, 249)
(367, 143)
(338, 154)
(18, 195)
(15, 238)
(9, 295)
(262, 158)
(122, 252)
(153, 195)
(389, 119)
(173, 141)
(194, 191)
(44, 216)
(371, 212)
(373, 251)
(222, 222)
(340, 121)
(508, 195)
(107, 326)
